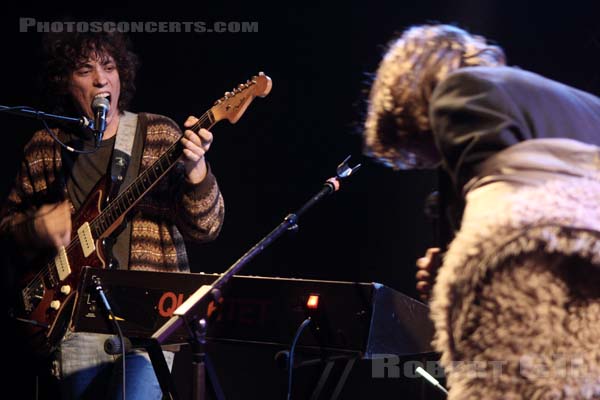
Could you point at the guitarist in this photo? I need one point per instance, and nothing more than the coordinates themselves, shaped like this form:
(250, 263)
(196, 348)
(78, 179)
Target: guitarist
(54, 182)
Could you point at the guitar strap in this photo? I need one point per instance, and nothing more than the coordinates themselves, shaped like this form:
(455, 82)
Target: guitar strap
(121, 156)
(124, 168)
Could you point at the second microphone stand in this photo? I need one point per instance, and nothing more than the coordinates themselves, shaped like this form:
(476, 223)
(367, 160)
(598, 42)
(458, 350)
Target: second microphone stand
(192, 313)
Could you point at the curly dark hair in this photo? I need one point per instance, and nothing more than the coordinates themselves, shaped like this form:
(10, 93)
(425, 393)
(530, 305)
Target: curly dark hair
(413, 65)
(65, 51)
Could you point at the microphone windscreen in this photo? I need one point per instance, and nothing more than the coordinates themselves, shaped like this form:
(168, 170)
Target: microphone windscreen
(100, 106)
(100, 102)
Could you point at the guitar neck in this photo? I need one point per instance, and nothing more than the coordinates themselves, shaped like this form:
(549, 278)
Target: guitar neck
(102, 225)
(231, 107)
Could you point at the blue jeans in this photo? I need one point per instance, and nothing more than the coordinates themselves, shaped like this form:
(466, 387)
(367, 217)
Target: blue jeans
(87, 372)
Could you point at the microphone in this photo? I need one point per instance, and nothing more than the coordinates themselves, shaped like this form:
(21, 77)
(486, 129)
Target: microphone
(100, 107)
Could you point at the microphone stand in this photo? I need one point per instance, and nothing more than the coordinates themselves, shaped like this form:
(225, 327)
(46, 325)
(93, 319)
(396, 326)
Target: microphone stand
(108, 309)
(192, 313)
(83, 122)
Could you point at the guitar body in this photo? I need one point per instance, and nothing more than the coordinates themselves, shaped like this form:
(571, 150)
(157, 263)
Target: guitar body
(46, 299)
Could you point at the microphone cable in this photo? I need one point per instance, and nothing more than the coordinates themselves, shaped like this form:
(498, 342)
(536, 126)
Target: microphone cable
(303, 325)
(100, 290)
(65, 146)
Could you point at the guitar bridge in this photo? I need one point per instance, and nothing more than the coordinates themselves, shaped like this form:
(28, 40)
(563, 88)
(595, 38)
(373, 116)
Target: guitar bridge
(31, 296)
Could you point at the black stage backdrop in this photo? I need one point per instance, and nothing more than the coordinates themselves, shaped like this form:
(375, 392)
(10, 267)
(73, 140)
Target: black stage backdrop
(320, 58)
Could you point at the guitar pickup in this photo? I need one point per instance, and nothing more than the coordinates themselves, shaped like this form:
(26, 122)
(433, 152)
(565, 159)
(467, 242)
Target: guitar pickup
(61, 261)
(86, 239)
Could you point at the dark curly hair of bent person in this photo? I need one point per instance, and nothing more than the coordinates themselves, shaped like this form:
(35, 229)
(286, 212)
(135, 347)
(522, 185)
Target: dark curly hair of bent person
(64, 52)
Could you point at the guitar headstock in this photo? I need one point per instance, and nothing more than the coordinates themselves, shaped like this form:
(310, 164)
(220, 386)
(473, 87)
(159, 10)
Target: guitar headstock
(234, 103)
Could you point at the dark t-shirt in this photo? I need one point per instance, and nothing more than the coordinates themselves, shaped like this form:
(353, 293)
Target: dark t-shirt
(85, 170)
(83, 173)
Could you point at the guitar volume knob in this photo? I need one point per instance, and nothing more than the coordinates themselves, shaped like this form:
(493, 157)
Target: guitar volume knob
(55, 304)
(66, 289)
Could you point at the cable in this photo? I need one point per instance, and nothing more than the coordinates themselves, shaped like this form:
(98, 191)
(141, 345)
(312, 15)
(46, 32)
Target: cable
(431, 379)
(291, 358)
(100, 291)
(68, 148)
(123, 353)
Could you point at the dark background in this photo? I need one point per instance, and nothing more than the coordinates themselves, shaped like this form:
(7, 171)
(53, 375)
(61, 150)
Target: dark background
(320, 58)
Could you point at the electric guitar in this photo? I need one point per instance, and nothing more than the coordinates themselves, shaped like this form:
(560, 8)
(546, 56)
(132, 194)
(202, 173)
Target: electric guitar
(48, 296)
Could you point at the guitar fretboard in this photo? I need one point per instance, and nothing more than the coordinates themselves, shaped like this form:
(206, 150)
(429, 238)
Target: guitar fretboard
(144, 182)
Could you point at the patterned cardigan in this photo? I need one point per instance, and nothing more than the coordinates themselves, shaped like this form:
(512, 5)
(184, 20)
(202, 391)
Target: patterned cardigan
(172, 211)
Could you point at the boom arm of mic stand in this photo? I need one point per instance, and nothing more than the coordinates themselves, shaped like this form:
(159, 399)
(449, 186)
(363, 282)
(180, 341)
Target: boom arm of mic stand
(197, 302)
(200, 299)
(194, 308)
(83, 122)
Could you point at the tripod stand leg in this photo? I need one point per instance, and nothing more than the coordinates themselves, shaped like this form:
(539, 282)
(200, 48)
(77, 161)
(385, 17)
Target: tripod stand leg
(203, 373)
(343, 378)
(325, 376)
(161, 369)
(202, 367)
(213, 379)
(322, 380)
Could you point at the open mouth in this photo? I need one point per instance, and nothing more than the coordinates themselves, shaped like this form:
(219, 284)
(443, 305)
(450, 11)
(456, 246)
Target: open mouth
(104, 95)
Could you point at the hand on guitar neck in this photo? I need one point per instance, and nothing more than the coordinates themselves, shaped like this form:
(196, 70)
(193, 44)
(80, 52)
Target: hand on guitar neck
(195, 146)
(52, 224)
